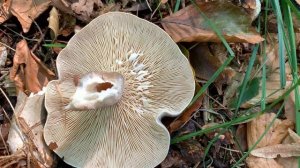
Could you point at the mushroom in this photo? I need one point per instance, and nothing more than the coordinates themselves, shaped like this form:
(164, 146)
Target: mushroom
(118, 77)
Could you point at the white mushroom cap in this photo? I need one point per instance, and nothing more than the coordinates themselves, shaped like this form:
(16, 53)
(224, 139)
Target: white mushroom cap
(157, 81)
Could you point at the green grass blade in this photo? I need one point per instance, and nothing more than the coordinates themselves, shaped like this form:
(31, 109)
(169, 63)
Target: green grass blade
(236, 120)
(177, 5)
(280, 27)
(58, 45)
(246, 78)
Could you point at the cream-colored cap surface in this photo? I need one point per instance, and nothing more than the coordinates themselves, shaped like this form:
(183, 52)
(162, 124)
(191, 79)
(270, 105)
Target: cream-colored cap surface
(158, 81)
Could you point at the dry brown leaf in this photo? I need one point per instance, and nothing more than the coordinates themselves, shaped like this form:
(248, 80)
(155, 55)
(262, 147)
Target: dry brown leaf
(68, 23)
(84, 9)
(63, 5)
(277, 132)
(284, 153)
(291, 162)
(295, 137)
(241, 136)
(4, 128)
(255, 162)
(25, 11)
(282, 150)
(164, 1)
(253, 7)
(187, 25)
(54, 23)
(206, 64)
(5, 10)
(289, 107)
(28, 72)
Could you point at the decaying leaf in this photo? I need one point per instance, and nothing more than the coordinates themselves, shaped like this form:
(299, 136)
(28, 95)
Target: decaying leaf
(68, 23)
(187, 25)
(54, 23)
(173, 159)
(63, 5)
(241, 136)
(84, 9)
(25, 10)
(28, 72)
(295, 137)
(277, 132)
(27, 130)
(206, 64)
(291, 162)
(282, 150)
(275, 135)
(289, 107)
(255, 162)
(285, 153)
(253, 7)
(5, 11)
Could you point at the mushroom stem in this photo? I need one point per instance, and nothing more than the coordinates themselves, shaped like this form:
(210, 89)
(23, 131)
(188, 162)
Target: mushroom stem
(95, 90)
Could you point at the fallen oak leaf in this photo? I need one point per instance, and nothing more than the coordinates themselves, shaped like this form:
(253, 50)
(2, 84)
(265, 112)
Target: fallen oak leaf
(255, 162)
(5, 11)
(28, 72)
(25, 11)
(84, 9)
(206, 64)
(277, 132)
(53, 23)
(285, 153)
(187, 25)
(282, 150)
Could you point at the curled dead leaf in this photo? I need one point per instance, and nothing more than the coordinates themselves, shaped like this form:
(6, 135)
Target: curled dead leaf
(282, 150)
(206, 64)
(25, 11)
(5, 10)
(84, 9)
(54, 23)
(187, 25)
(255, 162)
(277, 132)
(28, 71)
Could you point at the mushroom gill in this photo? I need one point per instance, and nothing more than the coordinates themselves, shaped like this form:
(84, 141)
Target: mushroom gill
(139, 70)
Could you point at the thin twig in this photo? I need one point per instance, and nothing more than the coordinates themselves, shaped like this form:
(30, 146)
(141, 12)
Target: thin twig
(6, 148)
(7, 46)
(40, 39)
(26, 38)
(9, 102)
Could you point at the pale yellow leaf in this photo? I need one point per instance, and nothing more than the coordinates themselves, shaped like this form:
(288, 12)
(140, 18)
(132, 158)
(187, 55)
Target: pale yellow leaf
(255, 162)
(283, 150)
(54, 23)
(277, 132)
